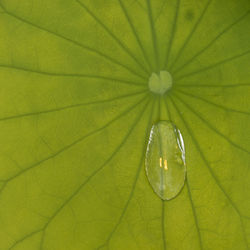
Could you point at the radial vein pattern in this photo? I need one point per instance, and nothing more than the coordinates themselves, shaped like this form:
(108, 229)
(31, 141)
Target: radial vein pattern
(76, 112)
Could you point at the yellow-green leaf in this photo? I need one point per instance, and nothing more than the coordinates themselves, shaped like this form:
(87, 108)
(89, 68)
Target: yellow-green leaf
(76, 108)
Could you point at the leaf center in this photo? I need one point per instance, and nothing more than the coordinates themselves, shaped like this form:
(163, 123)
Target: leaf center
(160, 83)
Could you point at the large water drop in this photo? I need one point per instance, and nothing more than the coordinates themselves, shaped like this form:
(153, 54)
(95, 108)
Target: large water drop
(165, 160)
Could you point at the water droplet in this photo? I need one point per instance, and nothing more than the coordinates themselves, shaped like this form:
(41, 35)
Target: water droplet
(165, 160)
(159, 84)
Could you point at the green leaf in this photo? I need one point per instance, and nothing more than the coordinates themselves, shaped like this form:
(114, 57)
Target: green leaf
(76, 110)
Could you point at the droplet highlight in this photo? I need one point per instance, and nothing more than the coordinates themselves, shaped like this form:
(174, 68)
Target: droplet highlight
(165, 160)
(160, 83)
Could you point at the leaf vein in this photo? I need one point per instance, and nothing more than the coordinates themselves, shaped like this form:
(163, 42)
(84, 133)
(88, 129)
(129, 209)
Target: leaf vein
(214, 65)
(153, 33)
(172, 34)
(213, 41)
(214, 104)
(70, 145)
(135, 33)
(190, 34)
(68, 107)
(112, 35)
(132, 189)
(78, 44)
(212, 127)
(72, 75)
(211, 171)
(96, 171)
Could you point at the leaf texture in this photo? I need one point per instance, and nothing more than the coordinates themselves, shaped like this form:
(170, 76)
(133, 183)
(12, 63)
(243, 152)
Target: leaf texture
(76, 111)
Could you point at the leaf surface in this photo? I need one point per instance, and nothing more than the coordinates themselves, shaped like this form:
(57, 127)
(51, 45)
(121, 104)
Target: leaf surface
(75, 116)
